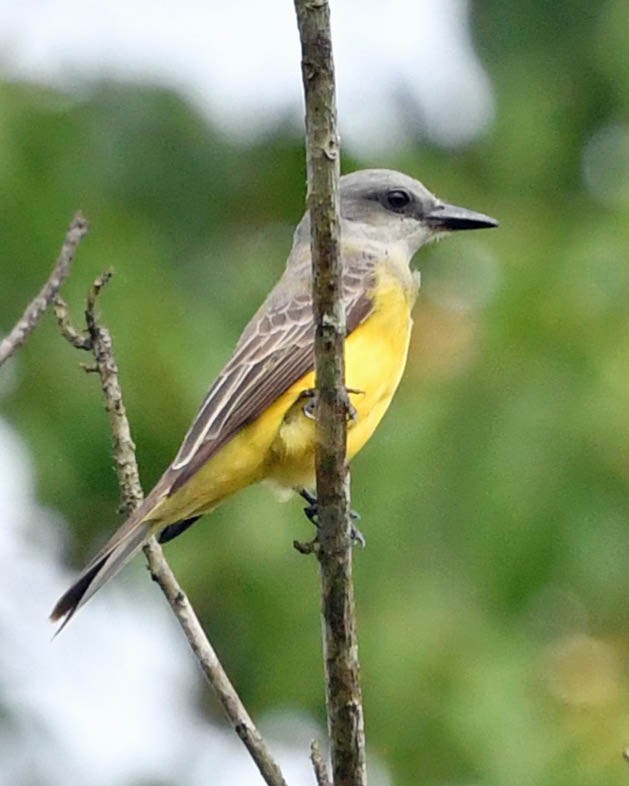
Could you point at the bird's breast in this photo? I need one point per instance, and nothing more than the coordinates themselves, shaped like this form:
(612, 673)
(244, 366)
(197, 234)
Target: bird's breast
(375, 357)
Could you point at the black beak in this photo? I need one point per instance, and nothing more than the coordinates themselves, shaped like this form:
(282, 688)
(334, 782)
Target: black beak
(450, 218)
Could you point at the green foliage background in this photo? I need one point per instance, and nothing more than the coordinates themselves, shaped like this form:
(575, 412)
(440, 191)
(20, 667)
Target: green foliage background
(493, 594)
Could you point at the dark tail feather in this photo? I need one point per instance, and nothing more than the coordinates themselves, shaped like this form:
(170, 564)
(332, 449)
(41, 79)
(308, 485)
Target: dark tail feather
(173, 530)
(110, 561)
(70, 600)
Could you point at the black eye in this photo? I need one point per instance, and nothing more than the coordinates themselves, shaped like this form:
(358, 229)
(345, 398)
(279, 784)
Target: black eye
(397, 199)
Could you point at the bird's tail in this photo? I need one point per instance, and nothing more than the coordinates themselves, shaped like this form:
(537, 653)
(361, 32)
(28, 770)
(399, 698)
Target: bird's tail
(125, 543)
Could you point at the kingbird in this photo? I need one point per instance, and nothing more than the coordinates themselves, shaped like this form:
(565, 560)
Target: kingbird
(255, 423)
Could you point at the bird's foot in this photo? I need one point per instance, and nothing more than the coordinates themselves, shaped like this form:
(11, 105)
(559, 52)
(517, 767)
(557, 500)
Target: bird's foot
(312, 514)
(309, 409)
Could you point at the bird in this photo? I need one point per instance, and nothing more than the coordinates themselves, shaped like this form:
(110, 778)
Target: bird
(256, 421)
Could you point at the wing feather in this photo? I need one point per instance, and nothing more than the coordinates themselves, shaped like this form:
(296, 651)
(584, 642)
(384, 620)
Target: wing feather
(275, 350)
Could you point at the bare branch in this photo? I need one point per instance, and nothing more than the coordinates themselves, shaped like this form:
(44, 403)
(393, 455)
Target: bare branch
(319, 766)
(344, 700)
(123, 447)
(68, 331)
(77, 230)
(233, 707)
(100, 343)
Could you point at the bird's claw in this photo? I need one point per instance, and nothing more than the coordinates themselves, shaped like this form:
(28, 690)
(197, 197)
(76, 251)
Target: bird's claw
(309, 409)
(312, 514)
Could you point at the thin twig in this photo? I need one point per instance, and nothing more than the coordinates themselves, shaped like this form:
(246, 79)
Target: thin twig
(123, 445)
(318, 764)
(233, 707)
(344, 699)
(68, 331)
(77, 230)
(131, 493)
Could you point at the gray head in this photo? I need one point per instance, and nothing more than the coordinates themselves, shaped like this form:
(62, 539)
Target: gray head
(381, 205)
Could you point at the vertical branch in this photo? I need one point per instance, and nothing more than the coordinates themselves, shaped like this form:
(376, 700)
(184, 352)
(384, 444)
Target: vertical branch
(344, 701)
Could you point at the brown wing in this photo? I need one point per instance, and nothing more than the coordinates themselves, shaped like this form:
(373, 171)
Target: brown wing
(275, 350)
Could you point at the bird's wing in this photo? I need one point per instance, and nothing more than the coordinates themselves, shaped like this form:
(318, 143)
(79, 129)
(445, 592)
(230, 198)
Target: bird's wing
(275, 351)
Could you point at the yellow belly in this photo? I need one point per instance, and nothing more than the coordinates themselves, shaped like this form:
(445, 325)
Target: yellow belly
(375, 357)
(279, 446)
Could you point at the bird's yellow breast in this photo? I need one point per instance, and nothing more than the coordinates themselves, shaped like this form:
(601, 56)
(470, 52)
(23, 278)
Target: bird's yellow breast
(375, 357)
(279, 445)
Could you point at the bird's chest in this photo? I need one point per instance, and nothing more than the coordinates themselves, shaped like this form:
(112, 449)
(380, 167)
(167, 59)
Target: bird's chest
(375, 356)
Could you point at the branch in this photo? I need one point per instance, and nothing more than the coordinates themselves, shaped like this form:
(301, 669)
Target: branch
(98, 341)
(344, 700)
(319, 765)
(35, 310)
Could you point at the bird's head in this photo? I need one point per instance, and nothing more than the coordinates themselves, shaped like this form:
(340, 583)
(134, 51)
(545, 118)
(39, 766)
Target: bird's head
(385, 206)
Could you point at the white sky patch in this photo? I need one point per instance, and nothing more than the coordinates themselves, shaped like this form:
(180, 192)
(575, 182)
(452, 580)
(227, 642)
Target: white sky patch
(238, 62)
